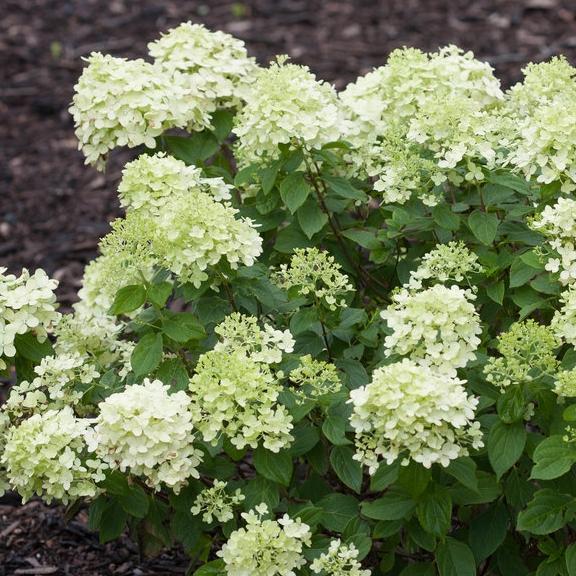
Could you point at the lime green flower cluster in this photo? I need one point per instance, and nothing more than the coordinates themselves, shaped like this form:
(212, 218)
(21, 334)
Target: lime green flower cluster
(315, 378)
(340, 560)
(148, 431)
(286, 104)
(236, 397)
(238, 332)
(528, 351)
(47, 455)
(447, 262)
(214, 63)
(438, 326)
(266, 547)
(565, 383)
(413, 412)
(151, 182)
(216, 503)
(314, 273)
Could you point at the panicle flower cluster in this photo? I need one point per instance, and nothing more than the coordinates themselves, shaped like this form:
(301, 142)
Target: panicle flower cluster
(541, 127)
(241, 333)
(340, 560)
(46, 455)
(438, 326)
(216, 502)
(447, 262)
(286, 104)
(234, 396)
(214, 63)
(558, 224)
(565, 383)
(415, 120)
(152, 181)
(313, 272)
(564, 321)
(27, 304)
(266, 547)
(315, 378)
(148, 431)
(119, 102)
(415, 412)
(55, 386)
(528, 351)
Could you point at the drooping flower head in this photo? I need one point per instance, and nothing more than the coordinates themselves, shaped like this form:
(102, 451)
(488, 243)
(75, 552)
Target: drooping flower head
(413, 412)
(148, 432)
(286, 104)
(46, 455)
(266, 547)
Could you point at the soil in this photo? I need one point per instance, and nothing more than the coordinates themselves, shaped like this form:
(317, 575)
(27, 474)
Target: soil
(53, 208)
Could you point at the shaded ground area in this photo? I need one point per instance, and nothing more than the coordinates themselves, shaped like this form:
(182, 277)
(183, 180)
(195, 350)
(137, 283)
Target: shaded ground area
(53, 209)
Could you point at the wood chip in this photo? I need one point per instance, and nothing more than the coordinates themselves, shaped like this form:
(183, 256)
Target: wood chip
(39, 570)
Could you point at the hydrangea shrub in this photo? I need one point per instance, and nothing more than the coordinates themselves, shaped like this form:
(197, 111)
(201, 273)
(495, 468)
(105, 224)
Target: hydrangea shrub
(334, 332)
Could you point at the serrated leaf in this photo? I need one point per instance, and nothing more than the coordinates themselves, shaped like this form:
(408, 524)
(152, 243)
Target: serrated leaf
(159, 293)
(434, 512)
(274, 466)
(545, 513)
(521, 273)
(128, 299)
(464, 470)
(183, 327)
(445, 218)
(505, 445)
(484, 226)
(488, 531)
(395, 504)
(553, 457)
(495, 291)
(214, 568)
(135, 502)
(338, 510)
(294, 191)
(570, 559)
(311, 218)
(347, 469)
(28, 346)
(147, 354)
(454, 558)
(344, 188)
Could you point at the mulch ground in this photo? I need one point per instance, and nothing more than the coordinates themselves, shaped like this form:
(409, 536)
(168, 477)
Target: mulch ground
(53, 209)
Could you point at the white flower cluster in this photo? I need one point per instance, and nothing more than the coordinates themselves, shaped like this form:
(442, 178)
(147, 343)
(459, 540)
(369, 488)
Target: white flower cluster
(558, 224)
(55, 386)
(27, 304)
(564, 320)
(266, 547)
(121, 102)
(234, 396)
(46, 455)
(565, 383)
(152, 181)
(447, 262)
(415, 120)
(215, 502)
(286, 104)
(315, 378)
(238, 332)
(340, 560)
(214, 63)
(438, 326)
(313, 272)
(541, 127)
(148, 431)
(415, 412)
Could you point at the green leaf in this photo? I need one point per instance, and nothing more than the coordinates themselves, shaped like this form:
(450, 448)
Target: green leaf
(445, 218)
(395, 504)
(484, 226)
(147, 354)
(261, 490)
(112, 522)
(509, 180)
(159, 293)
(334, 428)
(419, 569)
(521, 273)
(434, 512)
(464, 470)
(173, 373)
(545, 513)
(311, 218)
(365, 238)
(343, 188)
(553, 458)
(183, 327)
(135, 502)
(28, 346)
(198, 147)
(274, 466)
(386, 475)
(454, 558)
(495, 291)
(294, 190)
(505, 445)
(214, 568)
(222, 122)
(306, 436)
(488, 531)
(488, 490)
(128, 299)
(570, 557)
(338, 509)
(347, 469)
